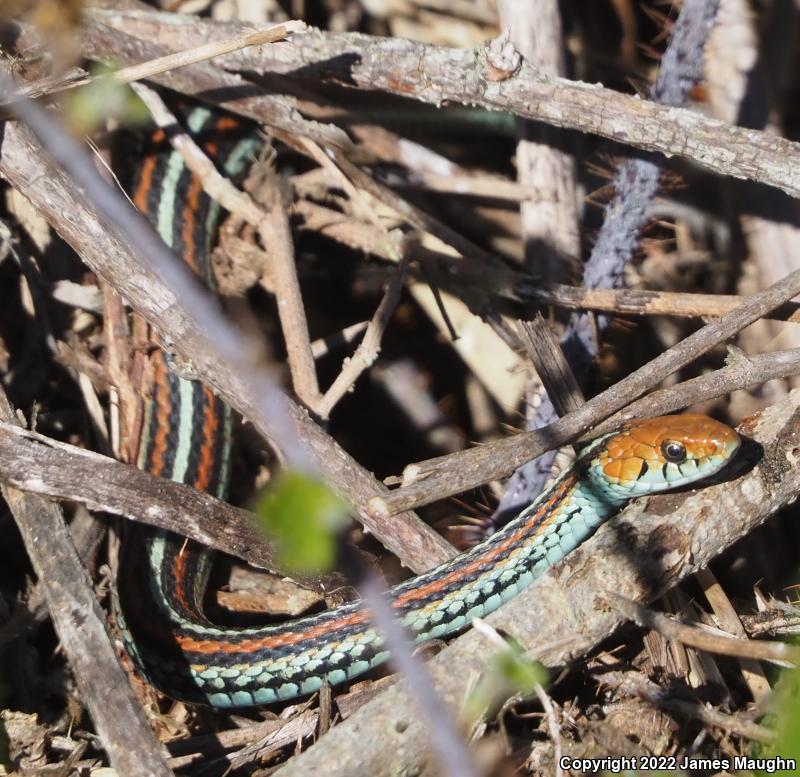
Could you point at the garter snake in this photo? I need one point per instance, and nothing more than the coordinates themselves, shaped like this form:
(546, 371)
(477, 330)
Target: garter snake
(185, 435)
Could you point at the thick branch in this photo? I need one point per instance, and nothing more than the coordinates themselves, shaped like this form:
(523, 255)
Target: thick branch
(40, 465)
(206, 81)
(437, 75)
(81, 627)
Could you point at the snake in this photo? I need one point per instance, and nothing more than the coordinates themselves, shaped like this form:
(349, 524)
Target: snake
(185, 434)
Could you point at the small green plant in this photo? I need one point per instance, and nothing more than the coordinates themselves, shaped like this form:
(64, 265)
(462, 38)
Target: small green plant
(509, 672)
(517, 670)
(786, 719)
(302, 517)
(90, 106)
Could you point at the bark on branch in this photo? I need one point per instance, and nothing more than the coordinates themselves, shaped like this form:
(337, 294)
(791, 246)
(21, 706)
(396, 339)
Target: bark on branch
(80, 624)
(40, 465)
(439, 75)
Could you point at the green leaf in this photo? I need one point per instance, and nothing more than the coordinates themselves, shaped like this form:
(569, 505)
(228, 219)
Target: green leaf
(519, 672)
(301, 516)
(90, 106)
(787, 718)
(510, 671)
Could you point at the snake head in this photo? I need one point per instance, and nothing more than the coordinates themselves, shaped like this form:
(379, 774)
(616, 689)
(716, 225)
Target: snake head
(657, 454)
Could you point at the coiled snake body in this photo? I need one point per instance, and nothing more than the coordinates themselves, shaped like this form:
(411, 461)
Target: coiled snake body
(186, 436)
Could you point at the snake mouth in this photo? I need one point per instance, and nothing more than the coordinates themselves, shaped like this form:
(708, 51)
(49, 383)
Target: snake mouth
(731, 446)
(727, 443)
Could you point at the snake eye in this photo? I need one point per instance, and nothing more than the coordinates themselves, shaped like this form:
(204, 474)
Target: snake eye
(673, 451)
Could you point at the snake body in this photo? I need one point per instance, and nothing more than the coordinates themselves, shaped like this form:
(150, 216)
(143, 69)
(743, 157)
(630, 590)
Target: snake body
(185, 435)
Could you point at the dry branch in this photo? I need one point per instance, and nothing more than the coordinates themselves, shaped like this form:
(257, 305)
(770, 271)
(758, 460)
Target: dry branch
(370, 345)
(740, 372)
(208, 51)
(643, 302)
(551, 366)
(549, 219)
(207, 82)
(446, 475)
(697, 637)
(636, 684)
(276, 236)
(80, 624)
(437, 75)
(40, 465)
(464, 277)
